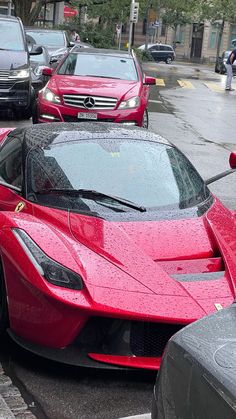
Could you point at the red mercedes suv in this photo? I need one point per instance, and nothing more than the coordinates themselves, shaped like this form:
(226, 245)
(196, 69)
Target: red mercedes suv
(95, 84)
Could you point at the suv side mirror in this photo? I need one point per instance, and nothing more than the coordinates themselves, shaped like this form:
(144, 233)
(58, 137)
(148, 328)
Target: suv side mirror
(36, 50)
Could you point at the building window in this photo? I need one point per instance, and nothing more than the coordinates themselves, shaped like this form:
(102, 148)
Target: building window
(232, 36)
(213, 37)
(180, 34)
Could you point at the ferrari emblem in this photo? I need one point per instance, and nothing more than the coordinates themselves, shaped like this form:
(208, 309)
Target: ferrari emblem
(19, 207)
(218, 306)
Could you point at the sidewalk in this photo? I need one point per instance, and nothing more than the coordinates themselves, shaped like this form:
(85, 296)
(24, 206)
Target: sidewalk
(12, 405)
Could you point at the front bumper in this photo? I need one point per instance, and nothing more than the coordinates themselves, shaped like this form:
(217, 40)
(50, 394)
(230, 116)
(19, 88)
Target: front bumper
(48, 112)
(111, 343)
(15, 94)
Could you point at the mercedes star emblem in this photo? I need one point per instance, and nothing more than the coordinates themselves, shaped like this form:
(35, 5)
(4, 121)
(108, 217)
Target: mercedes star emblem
(89, 102)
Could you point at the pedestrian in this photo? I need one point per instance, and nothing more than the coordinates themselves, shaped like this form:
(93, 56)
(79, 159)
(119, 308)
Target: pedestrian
(74, 36)
(229, 69)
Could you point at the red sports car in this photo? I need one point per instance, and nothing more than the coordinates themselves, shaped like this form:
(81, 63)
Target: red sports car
(95, 84)
(110, 242)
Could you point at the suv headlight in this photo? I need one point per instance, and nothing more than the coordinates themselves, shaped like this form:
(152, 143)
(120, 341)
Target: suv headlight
(52, 271)
(133, 102)
(50, 96)
(19, 74)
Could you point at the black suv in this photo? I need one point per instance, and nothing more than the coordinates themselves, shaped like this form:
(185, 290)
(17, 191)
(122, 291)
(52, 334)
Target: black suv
(16, 91)
(160, 52)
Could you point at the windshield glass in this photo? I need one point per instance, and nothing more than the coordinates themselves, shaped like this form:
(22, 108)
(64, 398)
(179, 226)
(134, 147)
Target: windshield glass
(11, 37)
(150, 174)
(99, 66)
(54, 39)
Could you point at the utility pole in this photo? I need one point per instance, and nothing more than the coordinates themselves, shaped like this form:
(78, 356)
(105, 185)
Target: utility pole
(134, 7)
(9, 7)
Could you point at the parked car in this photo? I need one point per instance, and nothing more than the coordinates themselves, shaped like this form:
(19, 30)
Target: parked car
(221, 61)
(160, 52)
(97, 84)
(37, 63)
(56, 41)
(110, 243)
(16, 91)
(197, 375)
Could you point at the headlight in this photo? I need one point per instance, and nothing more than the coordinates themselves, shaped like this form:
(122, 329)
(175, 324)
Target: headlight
(38, 70)
(133, 102)
(52, 271)
(19, 74)
(50, 96)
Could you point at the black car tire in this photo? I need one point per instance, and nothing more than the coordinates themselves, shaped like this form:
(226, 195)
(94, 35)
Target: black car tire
(145, 119)
(3, 304)
(168, 60)
(222, 70)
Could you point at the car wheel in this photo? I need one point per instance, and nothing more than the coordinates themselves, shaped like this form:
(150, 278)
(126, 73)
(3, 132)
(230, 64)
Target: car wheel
(145, 119)
(168, 60)
(3, 304)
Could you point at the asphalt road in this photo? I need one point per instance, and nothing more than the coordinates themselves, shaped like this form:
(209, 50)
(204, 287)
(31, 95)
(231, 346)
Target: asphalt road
(191, 109)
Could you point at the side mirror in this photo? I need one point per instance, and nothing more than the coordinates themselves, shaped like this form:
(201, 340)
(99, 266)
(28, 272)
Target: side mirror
(47, 71)
(36, 50)
(71, 44)
(232, 160)
(149, 80)
(232, 163)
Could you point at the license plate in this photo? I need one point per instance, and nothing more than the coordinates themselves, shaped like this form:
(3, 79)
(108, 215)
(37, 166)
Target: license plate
(87, 115)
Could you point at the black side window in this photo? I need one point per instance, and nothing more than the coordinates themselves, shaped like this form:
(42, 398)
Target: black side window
(169, 49)
(154, 48)
(11, 162)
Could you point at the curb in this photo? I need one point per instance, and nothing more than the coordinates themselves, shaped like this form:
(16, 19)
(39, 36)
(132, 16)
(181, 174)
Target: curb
(12, 405)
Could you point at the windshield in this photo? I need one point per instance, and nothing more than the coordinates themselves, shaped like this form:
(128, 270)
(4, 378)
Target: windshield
(53, 39)
(99, 66)
(150, 174)
(11, 37)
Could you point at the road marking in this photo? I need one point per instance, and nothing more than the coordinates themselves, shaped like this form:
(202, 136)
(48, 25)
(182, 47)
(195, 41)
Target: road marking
(160, 82)
(145, 416)
(154, 101)
(186, 84)
(215, 87)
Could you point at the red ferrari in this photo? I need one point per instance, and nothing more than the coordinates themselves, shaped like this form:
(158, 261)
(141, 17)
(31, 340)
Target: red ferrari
(110, 243)
(95, 84)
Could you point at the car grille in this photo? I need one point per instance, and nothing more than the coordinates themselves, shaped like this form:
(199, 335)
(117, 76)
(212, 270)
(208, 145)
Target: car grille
(99, 102)
(5, 83)
(124, 337)
(68, 118)
(150, 339)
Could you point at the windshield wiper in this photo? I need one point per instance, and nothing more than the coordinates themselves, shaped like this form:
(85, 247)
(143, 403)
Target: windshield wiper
(91, 194)
(103, 77)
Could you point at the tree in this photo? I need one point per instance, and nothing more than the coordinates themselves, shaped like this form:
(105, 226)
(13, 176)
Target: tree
(218, 12)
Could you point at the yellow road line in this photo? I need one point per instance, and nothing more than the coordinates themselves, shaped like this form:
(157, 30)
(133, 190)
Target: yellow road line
(216, 87)
(186, 84)
(160, 82)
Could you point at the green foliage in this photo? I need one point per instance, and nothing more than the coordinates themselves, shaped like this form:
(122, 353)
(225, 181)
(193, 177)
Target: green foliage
(143, 55)
(97, 36)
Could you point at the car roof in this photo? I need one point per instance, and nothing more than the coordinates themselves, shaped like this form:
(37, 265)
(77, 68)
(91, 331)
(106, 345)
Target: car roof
(7, 17)
(102, 51)
(34, 29)
(45, 134)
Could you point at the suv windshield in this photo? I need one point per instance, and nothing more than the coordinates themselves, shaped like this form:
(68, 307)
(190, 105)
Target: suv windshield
(150, 174)
(11, 37)
(46, 38)
(99, 65)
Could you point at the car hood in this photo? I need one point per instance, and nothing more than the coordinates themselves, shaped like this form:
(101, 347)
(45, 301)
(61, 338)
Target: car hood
(178, 258)
(13, 60)
(175, 270)
(92, 86)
